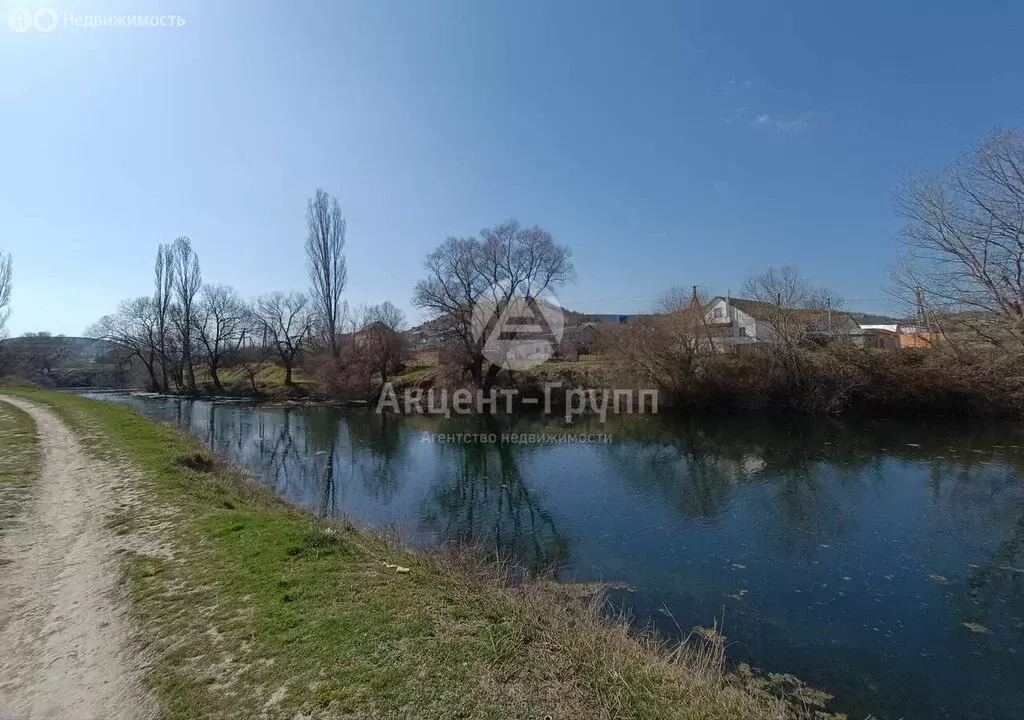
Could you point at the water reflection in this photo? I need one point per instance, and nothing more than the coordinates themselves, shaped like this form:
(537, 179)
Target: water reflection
(481, 496)
(880, 560)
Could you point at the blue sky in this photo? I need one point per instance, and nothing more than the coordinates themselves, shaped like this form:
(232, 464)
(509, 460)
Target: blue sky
(666, 143)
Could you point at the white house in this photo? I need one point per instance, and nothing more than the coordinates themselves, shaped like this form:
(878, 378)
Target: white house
(738, 321)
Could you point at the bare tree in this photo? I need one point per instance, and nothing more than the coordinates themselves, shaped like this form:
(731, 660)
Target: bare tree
(6, 285)
(39, 355)
(963, 242)
(794, 306)
(325, 261)
(133, 328)
(450, 291)
(252, 349)
(288, 324)
(381, 334)
(187, 279)
(219, 323)
(508, 261)
(163, 297)
(672, 348)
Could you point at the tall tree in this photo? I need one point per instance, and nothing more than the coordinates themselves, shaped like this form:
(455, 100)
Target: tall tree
(6, 284)
(187, 280)
(287, 322)
(325, 261)
(163, 297)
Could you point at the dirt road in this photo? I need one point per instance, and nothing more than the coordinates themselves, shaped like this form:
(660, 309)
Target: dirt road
(65, 639)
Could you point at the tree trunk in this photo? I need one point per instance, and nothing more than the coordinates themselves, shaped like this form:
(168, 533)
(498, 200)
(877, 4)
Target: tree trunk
(154, 383)
(190, 375)
(476, 369)
(492, 374)
(216, 379)
(163, 361)
(288, 374)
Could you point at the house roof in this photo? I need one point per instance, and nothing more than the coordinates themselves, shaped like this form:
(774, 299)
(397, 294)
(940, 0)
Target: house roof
(577, 330)
(754, 308)
(760, 310)
(813, 318)
(869, 319)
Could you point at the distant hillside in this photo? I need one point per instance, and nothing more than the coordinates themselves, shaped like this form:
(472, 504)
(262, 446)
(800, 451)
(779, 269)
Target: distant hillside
(73, 348)
(62, 361)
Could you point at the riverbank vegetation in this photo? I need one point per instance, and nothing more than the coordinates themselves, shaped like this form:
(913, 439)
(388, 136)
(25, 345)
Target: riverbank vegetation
(806, 371)
(251, 608)
(958, 279)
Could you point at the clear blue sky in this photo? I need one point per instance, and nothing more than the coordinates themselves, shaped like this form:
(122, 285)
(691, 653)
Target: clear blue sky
(667, 143)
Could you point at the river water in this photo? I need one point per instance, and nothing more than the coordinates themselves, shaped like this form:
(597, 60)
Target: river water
(882, 561)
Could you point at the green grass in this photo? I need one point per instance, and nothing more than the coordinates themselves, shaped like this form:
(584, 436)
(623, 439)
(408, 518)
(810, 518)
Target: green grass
(413, 373)
(269, 379)
(255, 609)
(20, 463)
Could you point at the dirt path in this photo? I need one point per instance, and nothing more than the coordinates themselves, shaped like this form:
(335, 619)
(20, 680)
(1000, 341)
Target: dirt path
(65, 643)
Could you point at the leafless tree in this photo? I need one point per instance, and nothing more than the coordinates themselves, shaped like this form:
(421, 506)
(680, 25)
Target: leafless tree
(6, 284)
(187, 279)
(252, 349)
(963, 242)
(133, 328)
(288, 325)
(325, 261)
(672, 348)
(163, 297)
(795, 307)
(219, 323)
(508, 261)
(39, 355)
(381, 334)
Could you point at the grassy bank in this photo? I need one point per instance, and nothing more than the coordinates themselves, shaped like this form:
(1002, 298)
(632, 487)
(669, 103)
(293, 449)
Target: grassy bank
(251, 608)
(20, 461)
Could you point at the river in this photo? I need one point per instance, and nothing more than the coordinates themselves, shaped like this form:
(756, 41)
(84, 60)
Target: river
(880, 561)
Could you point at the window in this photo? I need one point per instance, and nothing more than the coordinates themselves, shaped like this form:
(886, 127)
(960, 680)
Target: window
(743, 331)
(719, 313)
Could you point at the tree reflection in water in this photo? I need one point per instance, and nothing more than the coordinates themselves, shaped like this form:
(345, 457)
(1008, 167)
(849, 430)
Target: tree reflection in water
(481, 498)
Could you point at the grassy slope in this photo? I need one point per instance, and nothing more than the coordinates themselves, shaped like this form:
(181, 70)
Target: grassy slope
(269, 380)
(260, 610)
(20, 462)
